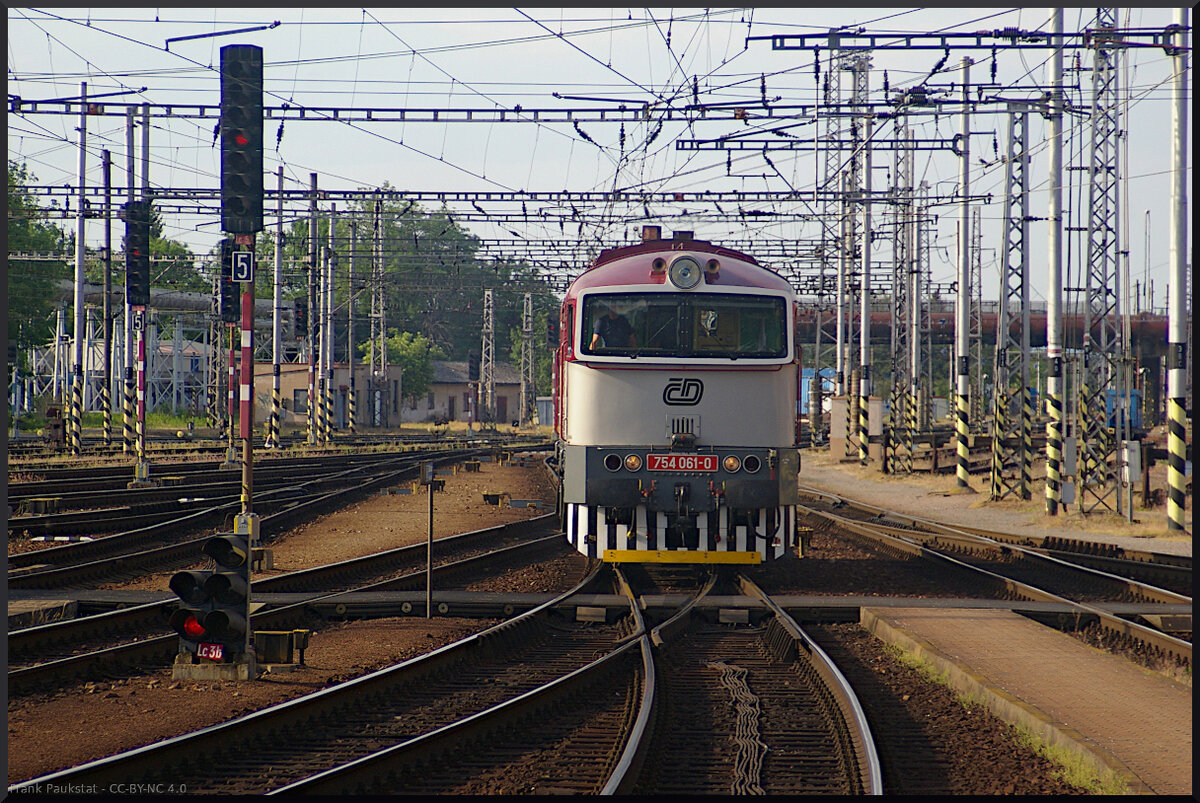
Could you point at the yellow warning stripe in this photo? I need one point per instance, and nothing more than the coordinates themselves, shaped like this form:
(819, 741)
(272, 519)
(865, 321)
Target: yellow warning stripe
(678, 556)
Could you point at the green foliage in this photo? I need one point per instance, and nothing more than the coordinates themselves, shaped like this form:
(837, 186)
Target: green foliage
(433, 281)
(31, 285)
(414, 353)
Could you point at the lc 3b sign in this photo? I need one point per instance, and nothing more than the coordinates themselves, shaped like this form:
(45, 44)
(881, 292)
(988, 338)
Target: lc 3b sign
(683, 392)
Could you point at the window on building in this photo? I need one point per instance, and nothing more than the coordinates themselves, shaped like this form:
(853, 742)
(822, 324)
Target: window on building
(431, 400)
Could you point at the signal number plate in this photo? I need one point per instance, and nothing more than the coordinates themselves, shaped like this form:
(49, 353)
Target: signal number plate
(681, 462)
(213, 651)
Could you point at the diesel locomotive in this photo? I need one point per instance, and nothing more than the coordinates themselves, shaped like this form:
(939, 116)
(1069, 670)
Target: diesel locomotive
(675, 387)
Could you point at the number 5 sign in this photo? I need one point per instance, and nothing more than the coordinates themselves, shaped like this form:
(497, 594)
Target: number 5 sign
(243, 266)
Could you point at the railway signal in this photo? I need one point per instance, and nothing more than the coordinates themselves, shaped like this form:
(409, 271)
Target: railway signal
(137, 253)
(241, 139)
(214, 612)
(227, 300)
(473, 366)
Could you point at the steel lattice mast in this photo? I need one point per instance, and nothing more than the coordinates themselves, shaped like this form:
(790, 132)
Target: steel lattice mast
(901, 315)
(527, 379)
(487, 360)
(1011, 430)
(1097, 447)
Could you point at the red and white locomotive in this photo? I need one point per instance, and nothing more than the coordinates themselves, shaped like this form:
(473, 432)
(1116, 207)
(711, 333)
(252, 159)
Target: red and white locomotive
(675, 405)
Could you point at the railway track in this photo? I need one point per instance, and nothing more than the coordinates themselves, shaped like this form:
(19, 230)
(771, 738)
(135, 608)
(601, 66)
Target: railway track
(1012, 571)
(268, 749)
(32, 453)
(753, 709)
(91, 502)
(55, 654)
(1173, 572)
(142, 550)
(565, 737)
(451, 721)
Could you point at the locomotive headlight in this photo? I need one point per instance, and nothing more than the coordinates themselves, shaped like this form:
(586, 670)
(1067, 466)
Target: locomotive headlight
(732, 463)
(685, 273)
(633, 462)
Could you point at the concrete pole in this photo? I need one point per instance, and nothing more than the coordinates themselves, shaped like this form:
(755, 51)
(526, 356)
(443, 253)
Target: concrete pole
(327, 339)
(1177, 317)
(75, 416)
(127, 443)
(351, 300)
(379, 375)
(272, 440)
(1054, 283)
(962, 311)
(864, 315)
(313, 267)
(106, 311)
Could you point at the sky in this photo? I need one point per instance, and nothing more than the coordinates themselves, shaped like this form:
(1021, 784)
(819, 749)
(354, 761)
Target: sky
(454, 59)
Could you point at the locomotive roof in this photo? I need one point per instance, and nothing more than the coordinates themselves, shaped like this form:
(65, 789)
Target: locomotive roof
(631, 265)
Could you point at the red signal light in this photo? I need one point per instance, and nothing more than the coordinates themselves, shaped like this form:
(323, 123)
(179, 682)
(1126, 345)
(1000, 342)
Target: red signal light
(192, 628)
(240, 139)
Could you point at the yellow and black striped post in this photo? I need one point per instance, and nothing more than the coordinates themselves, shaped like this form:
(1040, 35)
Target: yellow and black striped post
(75, 425)
(350, 411)
(1054, 438)
(323, 412)
(864, 417)
(273, 421)
(999, 427)
(852, 418)
(330, 420)
(106, 408)
(1026, 443)
(1176, 451)
(910, 440)
(962, 400)
(127, 428)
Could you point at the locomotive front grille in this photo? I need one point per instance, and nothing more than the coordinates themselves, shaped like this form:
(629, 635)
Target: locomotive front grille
(683, 425)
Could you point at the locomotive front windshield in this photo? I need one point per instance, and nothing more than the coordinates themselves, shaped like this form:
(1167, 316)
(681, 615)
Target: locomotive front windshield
(685, 325)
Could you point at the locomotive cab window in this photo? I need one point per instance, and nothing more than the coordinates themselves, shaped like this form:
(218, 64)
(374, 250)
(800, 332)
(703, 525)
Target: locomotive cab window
(684, 325)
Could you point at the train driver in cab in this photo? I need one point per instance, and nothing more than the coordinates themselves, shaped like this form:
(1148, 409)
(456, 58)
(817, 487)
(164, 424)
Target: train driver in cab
(612, 330)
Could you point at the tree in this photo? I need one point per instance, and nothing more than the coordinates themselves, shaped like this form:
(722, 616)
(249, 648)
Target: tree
(32, 285)
(414, 353)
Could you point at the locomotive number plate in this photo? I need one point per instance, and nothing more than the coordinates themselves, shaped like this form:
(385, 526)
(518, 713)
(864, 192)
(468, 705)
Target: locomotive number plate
(681, 462)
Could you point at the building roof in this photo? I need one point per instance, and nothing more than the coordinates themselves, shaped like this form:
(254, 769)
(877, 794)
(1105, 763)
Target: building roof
(454, 372)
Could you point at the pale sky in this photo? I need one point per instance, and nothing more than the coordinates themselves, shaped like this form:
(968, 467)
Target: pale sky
(485, 59)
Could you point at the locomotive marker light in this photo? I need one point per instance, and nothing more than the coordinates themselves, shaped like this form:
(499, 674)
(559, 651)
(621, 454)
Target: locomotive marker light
(685, 273)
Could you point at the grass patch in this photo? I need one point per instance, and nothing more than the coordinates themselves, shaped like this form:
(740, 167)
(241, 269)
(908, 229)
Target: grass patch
(1073, 767)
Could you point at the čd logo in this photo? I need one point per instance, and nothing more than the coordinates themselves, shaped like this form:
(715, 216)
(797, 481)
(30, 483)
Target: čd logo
(683, 392)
